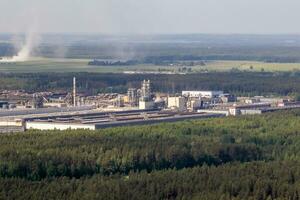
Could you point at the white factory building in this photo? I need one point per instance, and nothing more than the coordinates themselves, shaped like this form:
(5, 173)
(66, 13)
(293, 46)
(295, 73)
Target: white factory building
(58, 126)
(145, 105)
(202, 94)
(99, 120)
(177, 103)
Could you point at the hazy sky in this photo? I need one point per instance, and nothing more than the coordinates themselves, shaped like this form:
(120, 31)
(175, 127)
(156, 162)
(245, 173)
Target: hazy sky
(151, 16)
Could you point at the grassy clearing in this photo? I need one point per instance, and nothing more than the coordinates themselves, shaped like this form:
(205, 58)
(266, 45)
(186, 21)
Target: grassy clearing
(251, 66)
(80, 65)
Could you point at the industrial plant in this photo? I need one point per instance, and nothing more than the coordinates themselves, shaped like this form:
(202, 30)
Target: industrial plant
(21, 111)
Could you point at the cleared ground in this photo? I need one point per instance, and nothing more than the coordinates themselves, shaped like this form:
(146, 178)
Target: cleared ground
(80, 65)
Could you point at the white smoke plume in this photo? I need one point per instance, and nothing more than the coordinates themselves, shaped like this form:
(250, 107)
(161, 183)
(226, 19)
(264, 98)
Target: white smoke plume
(25, 50)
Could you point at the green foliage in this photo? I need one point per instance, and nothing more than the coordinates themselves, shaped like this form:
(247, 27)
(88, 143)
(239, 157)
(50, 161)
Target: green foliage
(240, 83)
(249, 157)
(227, 139)
(255, 180)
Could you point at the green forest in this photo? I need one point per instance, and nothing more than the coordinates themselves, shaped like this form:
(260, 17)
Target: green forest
(239, 83)
(247, 157)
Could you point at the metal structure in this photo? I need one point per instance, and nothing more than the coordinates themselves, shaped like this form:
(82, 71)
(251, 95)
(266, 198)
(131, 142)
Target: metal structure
(119, 102)
(132, 97)
(145, 101)
(74, 92)
(37, 101)
(146, 90)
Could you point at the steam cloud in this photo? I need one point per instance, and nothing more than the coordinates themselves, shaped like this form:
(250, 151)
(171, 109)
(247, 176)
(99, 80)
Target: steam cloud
(25, 51)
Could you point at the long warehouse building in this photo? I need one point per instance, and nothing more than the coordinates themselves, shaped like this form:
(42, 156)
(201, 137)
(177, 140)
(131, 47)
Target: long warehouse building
(98, 122)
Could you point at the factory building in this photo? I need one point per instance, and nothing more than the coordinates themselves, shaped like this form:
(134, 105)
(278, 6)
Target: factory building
(58, 126)
(202, 94)
(228, 98)
(146, 101)
(146, 91)
(100, 120)
(248, 109)
(145, 105)
(177, 103)
(252, 100)
(55, 105)
(287, 103)
(194, 104)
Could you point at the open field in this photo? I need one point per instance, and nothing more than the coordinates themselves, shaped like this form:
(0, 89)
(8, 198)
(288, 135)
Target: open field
(80, 65)
(250, 66)
(49, 65)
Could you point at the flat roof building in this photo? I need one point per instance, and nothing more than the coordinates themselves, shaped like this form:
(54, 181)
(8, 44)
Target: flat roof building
(202, 94)
(105, 120)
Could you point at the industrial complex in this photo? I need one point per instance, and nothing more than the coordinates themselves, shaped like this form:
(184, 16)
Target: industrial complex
(93, 121)
(21, 111)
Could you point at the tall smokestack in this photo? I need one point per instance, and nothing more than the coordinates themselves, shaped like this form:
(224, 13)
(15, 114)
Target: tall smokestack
(74, 91)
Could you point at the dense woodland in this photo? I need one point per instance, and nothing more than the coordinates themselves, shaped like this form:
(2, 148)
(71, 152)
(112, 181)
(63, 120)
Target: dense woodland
(249, 157)
(240, 83)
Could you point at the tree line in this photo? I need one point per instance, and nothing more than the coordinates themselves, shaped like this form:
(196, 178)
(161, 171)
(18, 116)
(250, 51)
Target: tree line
(248, 157)
(248, 181)
(240, 83)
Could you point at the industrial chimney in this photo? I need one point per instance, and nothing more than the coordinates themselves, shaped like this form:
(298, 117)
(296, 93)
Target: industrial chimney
(74, 91)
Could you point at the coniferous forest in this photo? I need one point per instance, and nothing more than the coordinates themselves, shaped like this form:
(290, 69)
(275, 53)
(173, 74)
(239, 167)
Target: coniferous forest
(248, 157)
(239, 83)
